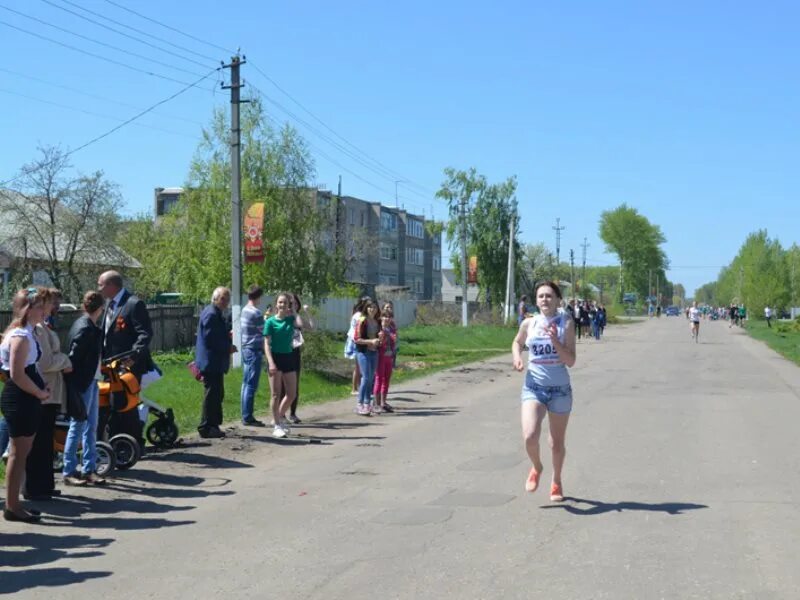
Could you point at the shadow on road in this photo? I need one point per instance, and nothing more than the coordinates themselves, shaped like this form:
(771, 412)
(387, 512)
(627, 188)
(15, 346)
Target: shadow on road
(433, 411)
(201, 460)
(596, 507)
(38, 549)
(16, 581)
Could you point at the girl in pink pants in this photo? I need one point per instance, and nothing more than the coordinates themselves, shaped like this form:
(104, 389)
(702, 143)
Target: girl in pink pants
(386, 350)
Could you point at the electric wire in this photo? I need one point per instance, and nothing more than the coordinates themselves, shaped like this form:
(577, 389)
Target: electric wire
(98, 42)
(105, 134)
(95, 114)
(389, 172)
(127, 35)
(183, 33)
(92, 54)
(97, 97)
(335, 144)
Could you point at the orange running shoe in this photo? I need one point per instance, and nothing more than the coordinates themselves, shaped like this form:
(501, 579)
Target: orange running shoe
(533, 481)
(556, 493)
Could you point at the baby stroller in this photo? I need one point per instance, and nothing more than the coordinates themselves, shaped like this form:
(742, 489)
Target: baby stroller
(123, 433)
(106, 457)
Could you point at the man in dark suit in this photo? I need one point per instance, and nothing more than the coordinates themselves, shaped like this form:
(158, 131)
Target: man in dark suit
(126, 326)
(213, 358)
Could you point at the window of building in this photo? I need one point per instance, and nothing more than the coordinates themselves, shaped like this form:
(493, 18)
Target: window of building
(437, 263)
(415, 229)
(387, 278)
(351, 216)
(388, 252)
(363, 219)
(415, 256)
(388, 221)
(459, 299)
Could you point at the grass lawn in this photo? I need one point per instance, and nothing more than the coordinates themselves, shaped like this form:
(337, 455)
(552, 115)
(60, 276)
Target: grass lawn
(422, 350)
(783, 337)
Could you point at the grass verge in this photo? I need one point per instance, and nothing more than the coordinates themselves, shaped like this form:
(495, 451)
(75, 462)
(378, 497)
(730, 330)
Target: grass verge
(422, 350)
(783, 337)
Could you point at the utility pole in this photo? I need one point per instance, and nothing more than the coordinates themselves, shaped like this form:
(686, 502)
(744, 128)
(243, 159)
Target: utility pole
(396, 183)
(572, 272)
(464, 286)
(558, 229)
(584, 245)
(510, 274)
(236, 207)
(658, 298)
(338, 217)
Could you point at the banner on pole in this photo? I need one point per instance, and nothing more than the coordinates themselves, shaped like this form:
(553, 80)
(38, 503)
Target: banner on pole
(472, 270)
(253, 233)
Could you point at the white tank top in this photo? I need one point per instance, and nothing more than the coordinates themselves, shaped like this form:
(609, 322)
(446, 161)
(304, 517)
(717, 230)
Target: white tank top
(544, 364)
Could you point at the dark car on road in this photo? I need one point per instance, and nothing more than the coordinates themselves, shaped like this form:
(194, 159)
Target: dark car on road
(672, 311)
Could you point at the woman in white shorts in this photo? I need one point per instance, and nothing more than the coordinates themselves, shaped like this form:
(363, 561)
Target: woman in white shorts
(550, 339)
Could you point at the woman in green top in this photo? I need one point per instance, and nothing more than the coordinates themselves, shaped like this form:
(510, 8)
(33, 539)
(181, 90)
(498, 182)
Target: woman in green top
(281, 361)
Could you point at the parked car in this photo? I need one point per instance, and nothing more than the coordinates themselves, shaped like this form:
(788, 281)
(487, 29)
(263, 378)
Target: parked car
(673, 311)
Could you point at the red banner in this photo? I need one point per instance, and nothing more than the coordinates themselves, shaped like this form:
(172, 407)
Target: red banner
(253, 233)
(472, 270)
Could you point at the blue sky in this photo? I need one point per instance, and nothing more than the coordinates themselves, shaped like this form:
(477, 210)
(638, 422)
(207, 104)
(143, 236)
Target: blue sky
(687, 111)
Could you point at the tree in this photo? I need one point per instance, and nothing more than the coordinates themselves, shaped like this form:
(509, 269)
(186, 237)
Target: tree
(637, 244)
(459, 188)
(488, 222)
(65, 223)
(277, 169)
(533, 267)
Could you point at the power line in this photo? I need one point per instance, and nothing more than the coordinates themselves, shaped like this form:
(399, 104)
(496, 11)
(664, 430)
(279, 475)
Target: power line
(334, 143)
(391, 173)
(92, 54)
(127, 35)
(183, 33)
(94, 41)
(123, 124)
(94, 114)
(96, 97)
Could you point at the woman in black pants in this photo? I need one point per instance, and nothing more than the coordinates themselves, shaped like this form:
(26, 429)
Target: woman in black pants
(39, 479)
(21, 399)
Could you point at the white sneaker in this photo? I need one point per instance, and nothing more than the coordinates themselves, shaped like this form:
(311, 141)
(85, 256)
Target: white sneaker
(278, 432)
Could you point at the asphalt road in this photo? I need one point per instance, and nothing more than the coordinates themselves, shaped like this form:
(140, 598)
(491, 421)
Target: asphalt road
(681, 476)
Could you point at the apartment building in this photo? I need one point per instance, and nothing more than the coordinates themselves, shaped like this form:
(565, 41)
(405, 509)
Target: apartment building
(390, 247)
(165, 199)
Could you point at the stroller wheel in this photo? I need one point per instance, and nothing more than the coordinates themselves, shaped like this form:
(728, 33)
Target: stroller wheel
(162, 433)
(106, 459)
(58, 462)
(126, 450)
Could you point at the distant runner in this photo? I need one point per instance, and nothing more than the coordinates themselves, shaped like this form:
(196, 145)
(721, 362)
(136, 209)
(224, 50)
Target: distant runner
(694, 318)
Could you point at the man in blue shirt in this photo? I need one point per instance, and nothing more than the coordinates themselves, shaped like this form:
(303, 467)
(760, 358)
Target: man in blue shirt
(252, 353)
